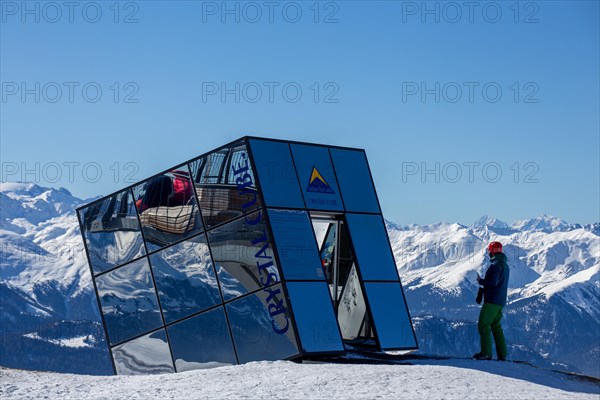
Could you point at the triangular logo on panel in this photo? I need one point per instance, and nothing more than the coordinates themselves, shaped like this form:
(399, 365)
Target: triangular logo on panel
(317, 183)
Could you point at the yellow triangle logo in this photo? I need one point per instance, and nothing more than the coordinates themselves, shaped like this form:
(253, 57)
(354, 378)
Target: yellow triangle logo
(318, 184)
(316, 175)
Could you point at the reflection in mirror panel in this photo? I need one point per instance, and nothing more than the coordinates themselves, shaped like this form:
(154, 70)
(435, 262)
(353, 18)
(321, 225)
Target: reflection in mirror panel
(373, 251)
(128, 301)
(225, 185)
(314, 317)
(317, 178)
(321, 229)
(276, 172)
(355, 181)
(185, 278)
(145, 355)
(262, 327)
(352, 310)
(202, 341)
(167, 208)
(243, 255)
(112, 232)
(298, 254)
(390, 315)
(337, 257)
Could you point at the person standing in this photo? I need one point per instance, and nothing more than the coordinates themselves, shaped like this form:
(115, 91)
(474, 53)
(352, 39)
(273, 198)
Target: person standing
(495, 288)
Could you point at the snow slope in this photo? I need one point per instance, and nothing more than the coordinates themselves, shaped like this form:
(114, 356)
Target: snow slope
(452, 379)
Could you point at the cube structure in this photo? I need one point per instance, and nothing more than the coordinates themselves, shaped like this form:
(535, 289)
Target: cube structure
(259, 250)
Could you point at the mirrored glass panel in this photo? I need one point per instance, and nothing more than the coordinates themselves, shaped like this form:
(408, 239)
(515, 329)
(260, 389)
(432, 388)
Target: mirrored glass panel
(390, 315)
(276, 172)
(112, 231)
(336, 254)
(145, 355)
(355, 181)
(243, 255)
(202, 341)
(262, 327)
(372, 247)
(185, 278)
(321, 229)
(314, 316)
(167, 208)
(317, 179)
(296, 244)
(352, 309)
(128, 301)
(225, 185)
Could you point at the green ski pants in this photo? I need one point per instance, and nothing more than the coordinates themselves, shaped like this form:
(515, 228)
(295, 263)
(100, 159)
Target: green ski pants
(489, 321)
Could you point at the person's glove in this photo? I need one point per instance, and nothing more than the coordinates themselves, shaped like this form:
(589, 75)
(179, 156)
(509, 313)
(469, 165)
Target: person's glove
(479, 295)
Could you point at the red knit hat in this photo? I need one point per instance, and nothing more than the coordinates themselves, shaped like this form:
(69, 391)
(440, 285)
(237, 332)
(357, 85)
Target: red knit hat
(495, 247)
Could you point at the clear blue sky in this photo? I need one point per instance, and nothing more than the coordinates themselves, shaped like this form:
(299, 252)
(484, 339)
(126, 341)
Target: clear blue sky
(372, 57)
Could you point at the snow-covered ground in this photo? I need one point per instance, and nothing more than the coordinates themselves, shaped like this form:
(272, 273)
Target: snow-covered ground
(447, 379)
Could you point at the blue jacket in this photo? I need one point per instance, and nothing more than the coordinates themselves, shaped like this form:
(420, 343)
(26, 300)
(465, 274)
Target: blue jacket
(495, 283)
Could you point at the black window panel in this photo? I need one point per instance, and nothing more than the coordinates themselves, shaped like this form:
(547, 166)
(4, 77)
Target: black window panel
(128, 301)
(148, 354)
(225, 185)
(313, 312)
(294, 236)
(390, 315)
(373, 251)
(167, 208)
(277, 174)
(185, 278)
(202, 341)
(112, 232)
(262, 327)
(355, 182)
(243, 255)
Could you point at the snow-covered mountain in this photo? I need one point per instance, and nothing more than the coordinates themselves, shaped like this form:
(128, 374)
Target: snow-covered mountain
(553, 313)
(49, 317)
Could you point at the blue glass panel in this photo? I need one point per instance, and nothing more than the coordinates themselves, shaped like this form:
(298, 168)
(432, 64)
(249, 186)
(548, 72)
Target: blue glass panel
(128, 301)
(225, 184)
(355, 181)
(296, 245)
(276, 173)
(317, 179)
(145, 355)
(243, 255)
(314, 316)
(185, 278)
(262, 327)
(112, 231)
(390, 315)
(372, 247)
(167, 208)
(202, 341)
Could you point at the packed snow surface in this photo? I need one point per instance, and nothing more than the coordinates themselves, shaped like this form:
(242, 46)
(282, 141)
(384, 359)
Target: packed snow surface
(448, 379)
